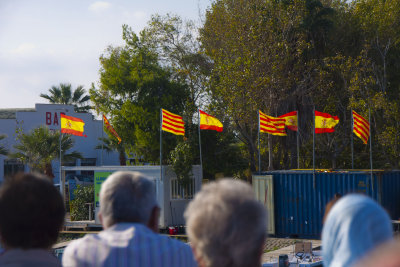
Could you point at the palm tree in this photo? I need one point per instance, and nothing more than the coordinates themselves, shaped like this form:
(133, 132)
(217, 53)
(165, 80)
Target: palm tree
(63, 94)
(41, 146)
(3, 150)
(111, 144)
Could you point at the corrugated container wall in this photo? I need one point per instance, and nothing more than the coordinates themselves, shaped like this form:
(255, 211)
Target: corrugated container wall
(300, 198)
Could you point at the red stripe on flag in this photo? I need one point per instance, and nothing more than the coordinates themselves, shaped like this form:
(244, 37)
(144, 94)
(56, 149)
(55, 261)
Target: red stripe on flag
(324, 130)
(211, 127)
(71, 118)
(73, 132)
(325, 115)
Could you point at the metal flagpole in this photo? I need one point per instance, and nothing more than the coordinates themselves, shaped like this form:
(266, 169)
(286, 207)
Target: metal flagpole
(370, 147)
(298, 141)
(259, 145)
(161, 120)
(351, 139)
(313, 157)
(102, 140)
(61, 181)
(201, 159)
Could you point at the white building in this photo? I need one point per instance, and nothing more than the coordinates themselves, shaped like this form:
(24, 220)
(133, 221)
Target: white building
(25, 120)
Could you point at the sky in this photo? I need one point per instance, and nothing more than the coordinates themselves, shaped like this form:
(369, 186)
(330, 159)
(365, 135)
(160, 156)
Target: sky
(47, 42)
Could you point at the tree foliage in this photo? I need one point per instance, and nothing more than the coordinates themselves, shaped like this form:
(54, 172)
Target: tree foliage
(78, 206)
(64, 94)
(280, 56)
(41, 146)
(133, 87)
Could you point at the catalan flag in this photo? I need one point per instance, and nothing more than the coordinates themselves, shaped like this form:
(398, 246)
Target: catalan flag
(111, 129)
(291, 121)
(360, 127)
(325, 123)
(172, 123)
(272, 125)
(208, 122)
(72, 125)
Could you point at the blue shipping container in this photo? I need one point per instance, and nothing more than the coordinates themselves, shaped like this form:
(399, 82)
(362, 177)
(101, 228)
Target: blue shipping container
(300, 197)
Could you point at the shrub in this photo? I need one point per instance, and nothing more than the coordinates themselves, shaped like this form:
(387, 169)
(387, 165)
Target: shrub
(79, 209)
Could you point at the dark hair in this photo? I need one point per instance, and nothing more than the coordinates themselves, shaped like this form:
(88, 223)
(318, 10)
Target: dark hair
(31, 212)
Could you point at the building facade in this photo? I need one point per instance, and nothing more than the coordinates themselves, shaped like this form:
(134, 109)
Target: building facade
(15, 121)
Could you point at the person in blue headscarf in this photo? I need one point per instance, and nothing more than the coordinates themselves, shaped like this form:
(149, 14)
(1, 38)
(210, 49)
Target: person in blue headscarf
(355, 226)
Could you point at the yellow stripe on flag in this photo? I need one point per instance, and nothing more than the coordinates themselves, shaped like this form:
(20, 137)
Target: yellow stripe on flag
(325, 123)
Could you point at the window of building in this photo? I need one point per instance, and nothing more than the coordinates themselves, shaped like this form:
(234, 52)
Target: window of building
(12, 166)
(179, 191)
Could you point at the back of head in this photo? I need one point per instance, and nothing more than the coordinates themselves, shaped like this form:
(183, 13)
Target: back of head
(355, 225)
(226, 225)
(31, 212)
(127, 197)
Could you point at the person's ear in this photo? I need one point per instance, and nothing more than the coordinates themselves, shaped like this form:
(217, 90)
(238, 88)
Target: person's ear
(198, 259)
(153, 221)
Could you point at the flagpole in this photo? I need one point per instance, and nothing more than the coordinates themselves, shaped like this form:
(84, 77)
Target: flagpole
(314, 149)
(370, 147)
(61, 185)
(259, 145)
(351, 139)
(201, 159)
(298, 143)
(161, 119)
(102, 140)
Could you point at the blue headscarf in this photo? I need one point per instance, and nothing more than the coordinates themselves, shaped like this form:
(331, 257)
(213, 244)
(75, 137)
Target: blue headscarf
(355, 225)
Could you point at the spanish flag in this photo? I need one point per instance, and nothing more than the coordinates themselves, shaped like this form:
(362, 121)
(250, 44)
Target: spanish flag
(72, 125)
(208, 122)
(360, 127)
(272, 125)
(325, 123)
(111, 129)
(291, 121)
(172, 123)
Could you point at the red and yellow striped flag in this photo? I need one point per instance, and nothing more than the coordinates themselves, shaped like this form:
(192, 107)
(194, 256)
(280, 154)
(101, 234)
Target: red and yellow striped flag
(111, 129)
(325, 123)
(272, 125)
(172, 123)
(72, 125)
(360, 127)
(291, 120)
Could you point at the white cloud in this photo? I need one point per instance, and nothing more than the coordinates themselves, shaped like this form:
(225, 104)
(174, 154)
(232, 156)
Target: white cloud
(99, 6)
(23, 49)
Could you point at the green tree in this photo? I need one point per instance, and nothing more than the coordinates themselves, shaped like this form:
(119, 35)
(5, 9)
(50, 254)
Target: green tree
(133, 87)
(64, 94)
(40, 147)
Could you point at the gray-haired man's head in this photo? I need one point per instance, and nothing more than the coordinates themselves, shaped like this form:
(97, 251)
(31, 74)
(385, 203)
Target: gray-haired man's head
(127, 197)
(226, 225)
